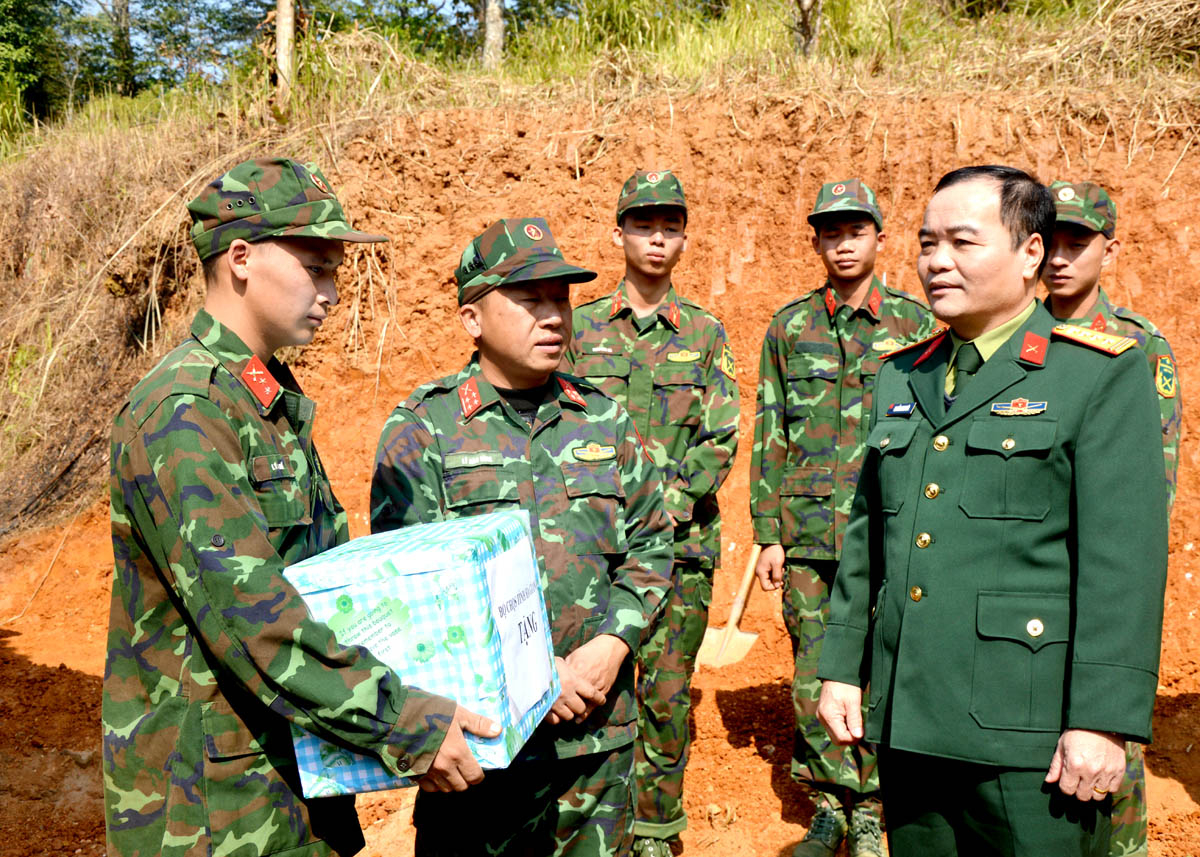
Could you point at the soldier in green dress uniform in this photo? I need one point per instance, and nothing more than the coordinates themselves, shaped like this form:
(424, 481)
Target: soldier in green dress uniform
(1001, 583)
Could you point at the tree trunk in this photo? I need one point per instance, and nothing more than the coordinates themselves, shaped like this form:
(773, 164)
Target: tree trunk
(123, 61)
(493, 34)
(285, 34)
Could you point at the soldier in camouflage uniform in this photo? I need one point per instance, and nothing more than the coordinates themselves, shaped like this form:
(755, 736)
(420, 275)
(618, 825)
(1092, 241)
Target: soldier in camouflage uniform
(509, 431)
(819, 361)
(667, 362)
(216, 487)
(1084, 244)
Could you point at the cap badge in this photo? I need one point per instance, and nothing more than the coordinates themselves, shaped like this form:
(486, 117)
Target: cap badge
(652, 178)
(316, 179)
(533, 232)
(1066, 194)
(838, 189)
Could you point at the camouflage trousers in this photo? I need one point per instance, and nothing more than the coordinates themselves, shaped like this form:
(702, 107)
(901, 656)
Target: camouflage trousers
(838, 774)
(1129, 817)
(581, 807)
(666, 662)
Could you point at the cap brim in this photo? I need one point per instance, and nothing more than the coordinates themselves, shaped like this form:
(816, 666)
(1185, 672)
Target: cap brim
(1078, 220)
(818, 216)
(548, 269)
(332, 230)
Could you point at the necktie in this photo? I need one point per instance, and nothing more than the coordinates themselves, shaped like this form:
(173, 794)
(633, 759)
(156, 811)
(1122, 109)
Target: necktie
(966, 364)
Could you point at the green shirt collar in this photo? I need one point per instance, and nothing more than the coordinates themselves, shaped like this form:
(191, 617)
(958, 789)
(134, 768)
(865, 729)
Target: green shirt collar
(669, 310)
(990, 342)
(236, 356)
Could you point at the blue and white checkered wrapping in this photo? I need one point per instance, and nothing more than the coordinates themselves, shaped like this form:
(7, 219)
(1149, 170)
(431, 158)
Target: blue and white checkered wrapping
(418, 598)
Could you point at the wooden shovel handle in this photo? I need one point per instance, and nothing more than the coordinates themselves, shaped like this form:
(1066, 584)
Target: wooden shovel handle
(743, 593)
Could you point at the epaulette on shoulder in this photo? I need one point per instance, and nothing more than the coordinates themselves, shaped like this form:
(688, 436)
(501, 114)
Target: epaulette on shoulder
(1105, 342)
(183, 372)
(928, 340)
(583, 385)
(428, 390)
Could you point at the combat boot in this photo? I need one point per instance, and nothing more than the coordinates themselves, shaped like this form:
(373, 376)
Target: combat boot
(866, 833)
(826, 833)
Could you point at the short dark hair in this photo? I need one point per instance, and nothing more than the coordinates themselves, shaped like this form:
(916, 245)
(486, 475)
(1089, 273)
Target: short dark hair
(1026, 206)
(209, 266)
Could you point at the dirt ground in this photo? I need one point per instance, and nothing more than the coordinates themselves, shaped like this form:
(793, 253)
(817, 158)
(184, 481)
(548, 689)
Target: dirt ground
(751, 167)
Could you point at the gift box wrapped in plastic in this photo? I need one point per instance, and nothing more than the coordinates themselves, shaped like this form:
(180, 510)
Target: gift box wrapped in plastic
(455, 608)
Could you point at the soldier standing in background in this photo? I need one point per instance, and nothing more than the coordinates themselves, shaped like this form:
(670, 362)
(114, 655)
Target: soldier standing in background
(667, 362)
(507, 432)
(216, 487)
(817, 375)
(1084, 244)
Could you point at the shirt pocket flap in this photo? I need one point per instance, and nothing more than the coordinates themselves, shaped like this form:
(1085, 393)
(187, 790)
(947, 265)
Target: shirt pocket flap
(601, 366)
(892, 435)
(671, 374)
(264, 468)
(1032, 619)
(1011, 436)
(812, 364)
(808, 482)
(225, 735)
(588, 480)
(480, 485)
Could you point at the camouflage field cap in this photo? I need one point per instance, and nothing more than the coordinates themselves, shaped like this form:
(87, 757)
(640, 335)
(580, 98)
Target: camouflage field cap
(650, 187)
(511, 251)
(268, 198)
(848, 195)
(1085, 203)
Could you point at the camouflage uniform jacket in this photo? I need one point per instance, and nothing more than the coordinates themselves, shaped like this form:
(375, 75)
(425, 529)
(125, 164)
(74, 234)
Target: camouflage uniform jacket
(215, 488)
(676, 379)
(817, 373)
(1107, 317)
(456, 448)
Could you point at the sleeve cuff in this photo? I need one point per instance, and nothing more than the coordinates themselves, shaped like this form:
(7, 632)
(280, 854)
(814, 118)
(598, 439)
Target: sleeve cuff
(1111, 698)
(766, 531)
(843, 654)
(415, 739)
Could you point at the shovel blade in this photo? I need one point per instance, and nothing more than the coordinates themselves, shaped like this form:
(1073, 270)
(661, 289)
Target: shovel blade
(721, 648)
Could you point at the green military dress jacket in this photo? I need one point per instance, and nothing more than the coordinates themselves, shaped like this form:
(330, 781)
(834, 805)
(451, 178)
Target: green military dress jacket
(816, 378)
(1002, 574)
(216, 487)
(676, 378)
(457, 448)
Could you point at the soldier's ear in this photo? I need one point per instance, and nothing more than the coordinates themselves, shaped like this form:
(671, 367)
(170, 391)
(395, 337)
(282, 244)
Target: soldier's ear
(616, 237)
(469, 315)
(1112, 246)
(238, 259)
(880, 238)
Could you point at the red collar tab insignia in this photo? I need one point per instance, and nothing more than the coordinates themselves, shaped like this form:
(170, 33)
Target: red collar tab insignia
(260, 382)
(1018, 408)
(617, 304)
(1033, 349)
(1165, 380)
(934, 343)
(1098, 323)
(830, 301)
(468, 395)
(1105, 342)
(673, 314)
(875, 302)
(572, 393)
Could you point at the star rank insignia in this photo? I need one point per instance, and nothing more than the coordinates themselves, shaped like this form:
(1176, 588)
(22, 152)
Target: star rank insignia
(469, 398)
(1018, 408)
(260, 382)
(572, 393)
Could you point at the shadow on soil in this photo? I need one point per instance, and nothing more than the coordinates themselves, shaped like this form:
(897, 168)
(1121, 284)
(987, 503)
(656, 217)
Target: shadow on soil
(761, 717)
(50, 784)
(1175, 752)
